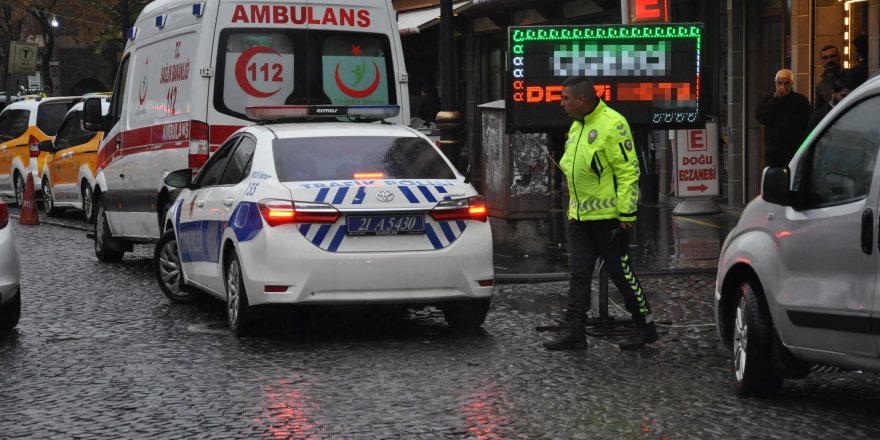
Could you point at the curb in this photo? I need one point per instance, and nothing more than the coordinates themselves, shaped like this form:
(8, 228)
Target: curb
(58, 224)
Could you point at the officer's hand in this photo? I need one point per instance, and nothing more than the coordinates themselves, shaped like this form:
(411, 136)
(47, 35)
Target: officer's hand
(627, 225)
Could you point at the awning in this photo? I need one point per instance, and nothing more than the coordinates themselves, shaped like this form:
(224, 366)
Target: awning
(413, 22)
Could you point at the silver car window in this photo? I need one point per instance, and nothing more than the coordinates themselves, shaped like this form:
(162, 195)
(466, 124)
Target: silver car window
(840, 167)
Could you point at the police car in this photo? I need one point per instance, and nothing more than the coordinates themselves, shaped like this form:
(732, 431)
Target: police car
(327, 213)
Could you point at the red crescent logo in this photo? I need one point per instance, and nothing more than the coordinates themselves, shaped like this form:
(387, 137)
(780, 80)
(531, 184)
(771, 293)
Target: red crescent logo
(359, 94)
(241, 71)
(142, 90)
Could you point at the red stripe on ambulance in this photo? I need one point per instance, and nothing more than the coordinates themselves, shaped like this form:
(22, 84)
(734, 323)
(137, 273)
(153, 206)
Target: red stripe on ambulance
(283, 14)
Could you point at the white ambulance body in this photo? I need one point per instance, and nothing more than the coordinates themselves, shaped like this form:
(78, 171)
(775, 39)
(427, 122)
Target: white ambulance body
(192, 67)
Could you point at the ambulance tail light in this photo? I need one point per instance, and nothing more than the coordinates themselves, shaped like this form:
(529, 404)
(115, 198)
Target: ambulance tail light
(199, 148)
(4, 215)
(280, 212)
(34, 146)
(473, 208)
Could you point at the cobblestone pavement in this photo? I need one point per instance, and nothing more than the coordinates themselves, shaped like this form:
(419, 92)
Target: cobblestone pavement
(100, 353)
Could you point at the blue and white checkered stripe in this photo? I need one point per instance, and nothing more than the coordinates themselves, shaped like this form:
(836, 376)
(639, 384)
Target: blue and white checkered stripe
(330, 237)
(350, 195)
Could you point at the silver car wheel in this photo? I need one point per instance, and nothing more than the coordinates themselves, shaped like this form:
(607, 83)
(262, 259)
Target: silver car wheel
(740, 339)
(87, 203)
(19, 190)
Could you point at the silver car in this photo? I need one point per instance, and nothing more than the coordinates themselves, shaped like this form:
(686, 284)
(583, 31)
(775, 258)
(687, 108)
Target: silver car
(10, 273)
(797, 278)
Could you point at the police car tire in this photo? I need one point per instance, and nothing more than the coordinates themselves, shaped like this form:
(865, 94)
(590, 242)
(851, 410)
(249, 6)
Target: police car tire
(10, 312)
(466, 315)
(104, 242)
(166, 265)
(48, 200)
(752, 346)
(237, 307)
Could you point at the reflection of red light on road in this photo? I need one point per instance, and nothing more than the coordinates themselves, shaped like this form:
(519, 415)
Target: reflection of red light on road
(482, 413)
(286, 412)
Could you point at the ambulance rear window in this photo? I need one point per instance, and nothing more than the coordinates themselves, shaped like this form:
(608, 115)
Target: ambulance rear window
(49, 116)
(344, 158)
(13, 123)
(260, 67)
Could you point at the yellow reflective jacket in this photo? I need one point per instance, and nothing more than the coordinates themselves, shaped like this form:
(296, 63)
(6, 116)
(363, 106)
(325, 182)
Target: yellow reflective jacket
(602, 168)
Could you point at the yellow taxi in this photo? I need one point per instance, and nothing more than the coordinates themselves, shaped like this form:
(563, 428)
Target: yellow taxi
(68, 173)
(23, 125)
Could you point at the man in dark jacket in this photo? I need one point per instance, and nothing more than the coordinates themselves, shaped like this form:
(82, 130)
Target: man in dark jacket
(839, 90)
(785, 114)
(830, 57)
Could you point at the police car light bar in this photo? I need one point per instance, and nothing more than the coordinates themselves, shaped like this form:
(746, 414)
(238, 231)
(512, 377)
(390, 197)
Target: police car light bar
(273, 112)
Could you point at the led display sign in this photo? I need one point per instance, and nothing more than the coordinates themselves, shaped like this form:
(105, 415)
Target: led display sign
(648, 73)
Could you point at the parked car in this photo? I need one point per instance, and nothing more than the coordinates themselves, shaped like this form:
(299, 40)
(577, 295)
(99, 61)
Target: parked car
(23, 125)
(71, 158)
(798, 276)
(10, 273)
(327, 213)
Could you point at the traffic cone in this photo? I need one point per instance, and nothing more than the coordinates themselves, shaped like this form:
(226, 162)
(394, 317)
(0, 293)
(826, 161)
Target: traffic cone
(29, 205)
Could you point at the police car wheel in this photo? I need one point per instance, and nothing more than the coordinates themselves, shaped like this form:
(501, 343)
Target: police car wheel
(104, 244)
(88, 205)
(10, 312)
(751, 348)
(237, 307)
(48, 200)
(168, 271)
(466, 315)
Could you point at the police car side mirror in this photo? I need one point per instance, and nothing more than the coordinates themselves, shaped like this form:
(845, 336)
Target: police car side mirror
(776, 185)
(179, 179)
(93, 118)
(47, 146)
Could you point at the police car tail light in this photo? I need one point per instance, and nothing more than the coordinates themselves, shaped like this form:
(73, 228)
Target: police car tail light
(4, 215)
(34, 146)
(198, 145)
(473, 208)
(279, 212)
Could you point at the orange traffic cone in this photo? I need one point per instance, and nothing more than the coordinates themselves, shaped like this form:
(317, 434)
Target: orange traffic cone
(29, 205)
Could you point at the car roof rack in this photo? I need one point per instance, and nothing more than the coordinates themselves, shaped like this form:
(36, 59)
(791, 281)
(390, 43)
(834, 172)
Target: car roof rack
(290, 113)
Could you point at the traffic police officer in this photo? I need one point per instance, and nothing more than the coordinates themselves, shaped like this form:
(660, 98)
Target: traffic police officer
(602, 171)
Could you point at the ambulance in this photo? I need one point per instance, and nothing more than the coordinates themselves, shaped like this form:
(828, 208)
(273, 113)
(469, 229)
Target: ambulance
(191, 68)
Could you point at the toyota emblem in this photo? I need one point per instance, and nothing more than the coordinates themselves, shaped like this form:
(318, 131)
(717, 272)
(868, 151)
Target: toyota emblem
(385, 196)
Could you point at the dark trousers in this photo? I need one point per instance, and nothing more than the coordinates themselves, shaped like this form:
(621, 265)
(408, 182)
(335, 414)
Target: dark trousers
(589, 240)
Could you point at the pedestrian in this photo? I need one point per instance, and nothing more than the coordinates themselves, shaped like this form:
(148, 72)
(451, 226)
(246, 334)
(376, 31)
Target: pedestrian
(785, 114)
(429, 103)
(602, 170)
(859, 73)
(830, 58)
(839, 90)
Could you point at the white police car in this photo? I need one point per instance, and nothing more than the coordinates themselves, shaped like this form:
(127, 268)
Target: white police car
(327, 213)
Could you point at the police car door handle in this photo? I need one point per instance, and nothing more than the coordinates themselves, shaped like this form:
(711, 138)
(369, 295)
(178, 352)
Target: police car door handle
(200, 203)
(227, 202)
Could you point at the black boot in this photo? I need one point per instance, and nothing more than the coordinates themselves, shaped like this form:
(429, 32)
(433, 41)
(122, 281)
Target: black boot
(643, 333)
(573, 338)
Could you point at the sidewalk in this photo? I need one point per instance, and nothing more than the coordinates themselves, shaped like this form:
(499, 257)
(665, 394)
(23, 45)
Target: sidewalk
(662, 243)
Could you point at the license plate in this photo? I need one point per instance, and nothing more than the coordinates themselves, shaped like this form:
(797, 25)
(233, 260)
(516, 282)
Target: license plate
(385, 224)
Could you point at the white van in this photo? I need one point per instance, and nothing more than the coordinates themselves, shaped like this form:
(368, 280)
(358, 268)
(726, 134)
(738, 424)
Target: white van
(192, 67)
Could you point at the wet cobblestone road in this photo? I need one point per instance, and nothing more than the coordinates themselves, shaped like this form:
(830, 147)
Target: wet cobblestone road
(100, 353)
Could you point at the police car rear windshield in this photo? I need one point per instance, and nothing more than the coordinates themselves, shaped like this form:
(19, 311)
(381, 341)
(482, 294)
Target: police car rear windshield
(347, 158)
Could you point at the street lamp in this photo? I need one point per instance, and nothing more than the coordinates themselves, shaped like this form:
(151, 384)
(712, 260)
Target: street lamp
(54, 22)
